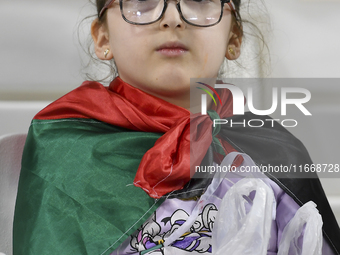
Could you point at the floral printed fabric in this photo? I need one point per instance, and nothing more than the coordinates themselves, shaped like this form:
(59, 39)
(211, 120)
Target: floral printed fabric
(148, 239)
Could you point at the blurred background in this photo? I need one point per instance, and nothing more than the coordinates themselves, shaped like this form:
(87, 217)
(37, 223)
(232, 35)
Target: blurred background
(40, 60)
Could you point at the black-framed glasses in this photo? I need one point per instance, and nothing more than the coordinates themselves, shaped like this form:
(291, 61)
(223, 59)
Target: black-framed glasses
(201, 13)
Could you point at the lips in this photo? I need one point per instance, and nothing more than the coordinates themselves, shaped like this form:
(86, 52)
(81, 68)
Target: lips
(172, 49)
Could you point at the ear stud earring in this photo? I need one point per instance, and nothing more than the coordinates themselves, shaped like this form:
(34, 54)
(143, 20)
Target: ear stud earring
(232, 52)
(106, 52)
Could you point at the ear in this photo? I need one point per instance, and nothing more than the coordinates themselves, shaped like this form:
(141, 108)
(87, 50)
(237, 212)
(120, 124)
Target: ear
(100, 38)
(235, 42)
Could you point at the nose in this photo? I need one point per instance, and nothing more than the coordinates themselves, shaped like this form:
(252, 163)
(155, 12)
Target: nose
(171, 17)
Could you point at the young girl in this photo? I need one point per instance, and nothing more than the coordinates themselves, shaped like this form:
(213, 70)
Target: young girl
(106, 170)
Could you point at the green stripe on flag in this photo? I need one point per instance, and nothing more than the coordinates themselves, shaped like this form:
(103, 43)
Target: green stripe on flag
(75, 191)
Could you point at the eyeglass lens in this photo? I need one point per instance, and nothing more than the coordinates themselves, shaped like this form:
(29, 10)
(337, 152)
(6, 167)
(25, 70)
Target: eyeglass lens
(198, 12)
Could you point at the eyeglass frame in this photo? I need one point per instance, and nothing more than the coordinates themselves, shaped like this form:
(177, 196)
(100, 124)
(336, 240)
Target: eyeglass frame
(229, 2)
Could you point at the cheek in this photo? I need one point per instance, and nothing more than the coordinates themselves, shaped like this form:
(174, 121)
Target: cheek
(119, 42)
(212, 53)
(121, 49)
(128, 47)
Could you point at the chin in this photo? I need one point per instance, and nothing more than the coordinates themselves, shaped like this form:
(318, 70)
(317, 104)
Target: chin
(172, 86)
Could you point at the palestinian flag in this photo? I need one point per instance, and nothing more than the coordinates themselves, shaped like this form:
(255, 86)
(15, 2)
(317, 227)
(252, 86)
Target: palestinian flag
(76, 192)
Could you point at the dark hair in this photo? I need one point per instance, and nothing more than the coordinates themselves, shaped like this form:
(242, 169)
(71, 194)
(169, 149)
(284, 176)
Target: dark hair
(254, 32)
(100, 4)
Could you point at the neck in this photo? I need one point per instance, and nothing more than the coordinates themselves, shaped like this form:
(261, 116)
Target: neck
(187, 97)
(182, 100)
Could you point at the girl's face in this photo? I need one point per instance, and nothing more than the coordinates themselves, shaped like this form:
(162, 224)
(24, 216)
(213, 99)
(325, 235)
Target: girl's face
(160, 58)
